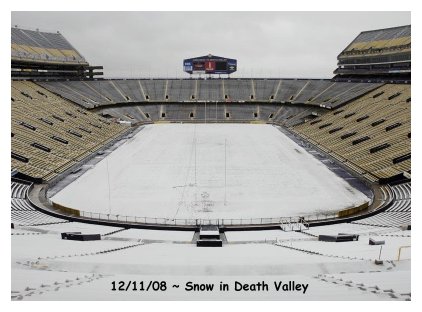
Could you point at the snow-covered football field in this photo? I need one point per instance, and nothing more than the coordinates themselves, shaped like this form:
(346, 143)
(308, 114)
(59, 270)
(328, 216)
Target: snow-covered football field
(208, 171)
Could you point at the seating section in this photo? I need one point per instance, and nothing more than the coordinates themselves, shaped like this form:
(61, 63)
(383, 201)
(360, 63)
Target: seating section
(211, 112)
(399, 213)
(23, 213)
(19, 190)
(131, 89)
(210, 90)
(379, 55)
(238, 90)
(371, 135)
(106, 91)
(180, 90)
(154, 90)
(381, 39)
(43, 46)
(402, 191)
(50, 134)
(288, 90)
(323, 93)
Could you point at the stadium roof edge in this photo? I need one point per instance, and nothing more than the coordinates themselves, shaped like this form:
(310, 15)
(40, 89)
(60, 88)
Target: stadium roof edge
(388, 28)
(371, 31)
(36, 29)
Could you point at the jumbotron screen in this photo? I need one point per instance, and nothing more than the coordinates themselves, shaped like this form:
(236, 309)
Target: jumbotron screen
(209, 64)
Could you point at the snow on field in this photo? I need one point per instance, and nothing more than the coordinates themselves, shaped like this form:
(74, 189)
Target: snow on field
(209, 171)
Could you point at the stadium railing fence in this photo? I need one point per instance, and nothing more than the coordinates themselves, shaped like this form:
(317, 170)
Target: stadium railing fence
(194, 222)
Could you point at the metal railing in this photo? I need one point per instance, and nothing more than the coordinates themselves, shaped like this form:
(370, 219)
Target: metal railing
(200, 221)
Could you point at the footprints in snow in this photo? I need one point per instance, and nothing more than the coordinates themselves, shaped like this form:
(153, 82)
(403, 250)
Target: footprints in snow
(55, 286)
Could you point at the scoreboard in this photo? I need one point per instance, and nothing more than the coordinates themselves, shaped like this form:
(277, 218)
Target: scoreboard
(209, 64)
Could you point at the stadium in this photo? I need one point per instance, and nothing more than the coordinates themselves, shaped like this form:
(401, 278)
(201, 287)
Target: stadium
(168, 187)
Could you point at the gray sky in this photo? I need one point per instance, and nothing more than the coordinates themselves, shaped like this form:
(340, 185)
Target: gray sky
(266, 44)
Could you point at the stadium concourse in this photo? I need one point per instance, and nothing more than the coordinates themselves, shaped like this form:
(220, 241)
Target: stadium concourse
(305, 183)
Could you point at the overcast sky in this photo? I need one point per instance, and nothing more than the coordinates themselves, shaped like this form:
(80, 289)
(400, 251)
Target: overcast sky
(266, 44)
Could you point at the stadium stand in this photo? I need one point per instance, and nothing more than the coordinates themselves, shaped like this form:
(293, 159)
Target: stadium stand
(19, 190)
(382, 54)
(22, 212)
(180, 90)
(390, 38)
(151, 112)
(238, 90)
(43, 46)
(85, 91)
(371, 134)
(212, 112)
(131, 89)
(210, 90)
(313, 89)
(265, 89)
(106, 92)
(50, 134)
(398, 214)
(154, 90)
(38, 54)
(289, 89)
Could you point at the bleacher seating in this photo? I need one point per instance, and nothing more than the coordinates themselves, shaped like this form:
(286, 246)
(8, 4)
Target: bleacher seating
(238, 90)
(50, 134)
(83, 90)
(324, 93)
(23, 213)
(371, 134)
(19, 190)
(402, 191)
(104, 90)
(180, 90)
(210, 90)
(131, 88)
(398, 214)
(382, 54)
(237, 112)
(43, 46)
(265, 89)
(380, 39)
(154, 89)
